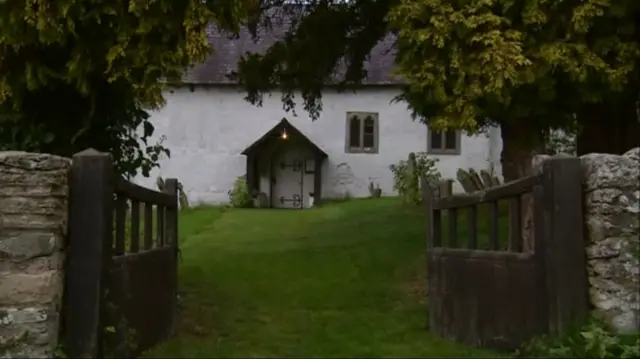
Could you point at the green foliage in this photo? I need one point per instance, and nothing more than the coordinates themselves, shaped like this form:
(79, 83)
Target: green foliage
(77, 74)
(591, 341)
(530, 66)
(239, 196)
(347, 30)
(407, 174)
(561, 142)
(119, 338)
(60, 352)
(470, 61)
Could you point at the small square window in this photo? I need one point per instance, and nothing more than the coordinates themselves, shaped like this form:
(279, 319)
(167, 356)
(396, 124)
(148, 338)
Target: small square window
(362, 132)
(444, 142)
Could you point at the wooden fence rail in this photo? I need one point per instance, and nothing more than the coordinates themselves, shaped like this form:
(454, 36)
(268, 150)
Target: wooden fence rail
(120, 297)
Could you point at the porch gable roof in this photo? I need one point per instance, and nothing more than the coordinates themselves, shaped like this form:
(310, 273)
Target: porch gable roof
(274, 134)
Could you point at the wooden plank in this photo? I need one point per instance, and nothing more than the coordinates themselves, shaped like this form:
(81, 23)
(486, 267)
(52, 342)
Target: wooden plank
(437, 228)
(121, 217)
(488, 195)
(160, 230)
(494, 226)
(427, 200)
(135, 227)
(89, 252)
(544, 287)
(148, 225)
(472, 226)
(452, 219)
(515, 224)
(479, 254)
(142, 194)
(564, 243)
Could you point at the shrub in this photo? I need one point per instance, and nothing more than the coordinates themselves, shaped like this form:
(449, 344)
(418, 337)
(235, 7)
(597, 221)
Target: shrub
(593, 340)
(407, 173)
(561, 142)
(239, 196)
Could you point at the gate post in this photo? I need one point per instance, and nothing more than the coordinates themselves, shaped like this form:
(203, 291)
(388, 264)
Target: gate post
(560, 243)
(90, 233)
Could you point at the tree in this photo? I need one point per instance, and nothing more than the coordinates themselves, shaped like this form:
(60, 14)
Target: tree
(527, 66)
(77, 74)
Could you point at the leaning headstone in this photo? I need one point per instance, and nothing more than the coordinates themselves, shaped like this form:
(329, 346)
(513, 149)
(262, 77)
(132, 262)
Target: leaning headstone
(475, 179)
(487, 179)
(160, 183)
(465, 181)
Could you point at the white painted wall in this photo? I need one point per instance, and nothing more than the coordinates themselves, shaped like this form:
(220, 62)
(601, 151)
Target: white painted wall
(208, 128)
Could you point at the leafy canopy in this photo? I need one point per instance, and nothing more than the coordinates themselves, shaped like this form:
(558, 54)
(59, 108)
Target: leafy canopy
(464, 61)
(535, 60)
(76, 74)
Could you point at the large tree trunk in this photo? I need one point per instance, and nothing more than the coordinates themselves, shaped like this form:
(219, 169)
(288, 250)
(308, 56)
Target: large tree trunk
(520, 143)
(609, 128)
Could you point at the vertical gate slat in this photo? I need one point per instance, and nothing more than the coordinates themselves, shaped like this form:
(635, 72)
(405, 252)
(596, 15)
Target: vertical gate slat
(160, 240)
(121, 218)
(494, 226)
(148, 225)
(135, 226)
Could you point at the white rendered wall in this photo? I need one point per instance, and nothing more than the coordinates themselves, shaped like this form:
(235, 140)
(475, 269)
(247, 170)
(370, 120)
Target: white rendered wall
(207, 128)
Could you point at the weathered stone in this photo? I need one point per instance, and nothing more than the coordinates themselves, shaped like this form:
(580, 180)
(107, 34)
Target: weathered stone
(633, 154)
(465, 180)
(475, 179)
(22, 246)
(34, 265)
(33, 221)
(33, 161)
(609, 171)
(23, 315)
(612, 205)
(19, 288)
(606, 248)
(34, 205)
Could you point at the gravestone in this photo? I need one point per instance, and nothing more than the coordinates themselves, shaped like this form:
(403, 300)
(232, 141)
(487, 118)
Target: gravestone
(160, 183)
(465, 181)
(475, 179)
(487, 179)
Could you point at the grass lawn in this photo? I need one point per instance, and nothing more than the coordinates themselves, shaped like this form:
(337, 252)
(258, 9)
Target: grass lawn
(343, 280)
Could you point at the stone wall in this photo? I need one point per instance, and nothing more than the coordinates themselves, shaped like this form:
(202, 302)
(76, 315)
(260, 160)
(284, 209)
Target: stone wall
(33, 221)
(612, 197)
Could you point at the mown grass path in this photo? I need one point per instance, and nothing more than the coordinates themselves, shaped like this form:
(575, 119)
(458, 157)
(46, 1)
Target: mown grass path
(344, 280)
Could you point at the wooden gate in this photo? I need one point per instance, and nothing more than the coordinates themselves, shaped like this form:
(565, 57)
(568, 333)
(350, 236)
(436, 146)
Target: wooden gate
(121, 284)
(500, 296)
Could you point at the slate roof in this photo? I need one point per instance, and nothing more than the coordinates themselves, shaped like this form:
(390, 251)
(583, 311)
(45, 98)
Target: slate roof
(227, 52)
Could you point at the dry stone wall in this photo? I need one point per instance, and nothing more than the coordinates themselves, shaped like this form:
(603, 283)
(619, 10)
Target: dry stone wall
(33, 222)
(612, 213)
(611, 185)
